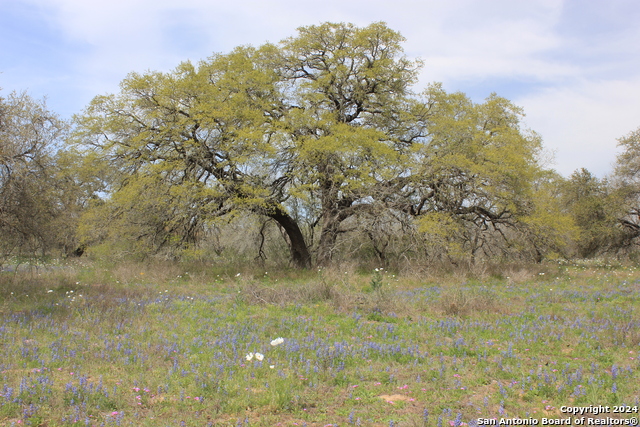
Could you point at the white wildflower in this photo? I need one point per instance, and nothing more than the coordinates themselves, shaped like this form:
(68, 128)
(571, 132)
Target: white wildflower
(249, 357)
(277, 341)
(259, 356)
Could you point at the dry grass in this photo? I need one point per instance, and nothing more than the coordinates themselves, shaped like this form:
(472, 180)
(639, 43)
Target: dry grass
(354, 342)
(283, 295)
(465, 301)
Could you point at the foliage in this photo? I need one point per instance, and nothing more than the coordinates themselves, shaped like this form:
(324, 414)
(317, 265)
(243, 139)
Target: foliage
(594, 207)
(40, 198)
(316, 133)
(193, 144)
(349, 89)
(626, 183)
(628, 162)
(548, 226)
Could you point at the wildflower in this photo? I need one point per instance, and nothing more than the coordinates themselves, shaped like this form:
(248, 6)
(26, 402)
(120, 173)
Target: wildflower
(249, 356)
(259, 356)
(277, 341)
(272, 366)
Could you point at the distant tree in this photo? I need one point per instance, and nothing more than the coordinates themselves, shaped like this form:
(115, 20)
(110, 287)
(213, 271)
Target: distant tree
(628, 162)
(548, 229)
(37, 202)
(591, 203)
(626, 183)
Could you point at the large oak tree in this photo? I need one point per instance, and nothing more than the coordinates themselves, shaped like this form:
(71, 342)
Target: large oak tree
(325, 120)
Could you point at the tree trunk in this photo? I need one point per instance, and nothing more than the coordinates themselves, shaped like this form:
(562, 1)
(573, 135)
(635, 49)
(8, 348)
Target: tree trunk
(299, 250)
(329, 216)
(331, 220)
(326, 245)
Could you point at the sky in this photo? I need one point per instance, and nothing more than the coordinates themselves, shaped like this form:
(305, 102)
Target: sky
(572, 65)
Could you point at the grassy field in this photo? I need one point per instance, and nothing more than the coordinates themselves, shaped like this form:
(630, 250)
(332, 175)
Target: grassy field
(171, 345)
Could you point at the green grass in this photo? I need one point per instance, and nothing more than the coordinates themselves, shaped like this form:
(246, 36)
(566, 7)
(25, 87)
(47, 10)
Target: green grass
(166, 345)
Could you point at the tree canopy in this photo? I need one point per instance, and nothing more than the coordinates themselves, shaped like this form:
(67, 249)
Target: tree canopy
(38, 198)
(317, 133)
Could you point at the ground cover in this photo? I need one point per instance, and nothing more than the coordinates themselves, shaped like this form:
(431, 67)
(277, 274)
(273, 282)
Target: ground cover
(171, 345)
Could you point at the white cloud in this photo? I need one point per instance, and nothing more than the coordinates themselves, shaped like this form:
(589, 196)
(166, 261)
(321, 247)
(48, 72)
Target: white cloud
(582, 122)
(474, 40)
